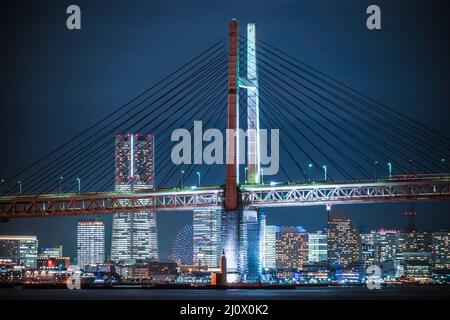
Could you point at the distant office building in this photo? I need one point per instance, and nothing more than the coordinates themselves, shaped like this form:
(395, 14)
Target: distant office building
(90, 242)
(51, 252)
(134, 235)
(251, 244)
(291, 248)
(344, 243)
(270, 240)
(368, 249)
(317, 247)
(414, 242)
(441, 250)
(417, 266)
(385, 245)
(19, 249)
(206, 237)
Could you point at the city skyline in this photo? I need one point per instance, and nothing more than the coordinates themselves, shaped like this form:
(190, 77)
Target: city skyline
(342, 153)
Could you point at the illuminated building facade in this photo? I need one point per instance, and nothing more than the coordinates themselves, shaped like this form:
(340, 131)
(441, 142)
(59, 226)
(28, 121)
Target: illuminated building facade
(414, 242)
(441, 250)
(19, 249)
(291, 248)
(90, 242)
(417, 266)
(385, 245)
(134, 235)
(53, 263)
(270, 240)
(368, 249)
(344, 243)
(230, 243)
(206, 237)
(51, 252)
(251, 244)
(317, 247)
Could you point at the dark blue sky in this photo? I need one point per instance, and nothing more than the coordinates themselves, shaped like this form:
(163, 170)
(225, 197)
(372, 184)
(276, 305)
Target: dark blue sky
(56, 82)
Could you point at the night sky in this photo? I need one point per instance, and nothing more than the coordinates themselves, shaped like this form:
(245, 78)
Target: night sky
(56, 82)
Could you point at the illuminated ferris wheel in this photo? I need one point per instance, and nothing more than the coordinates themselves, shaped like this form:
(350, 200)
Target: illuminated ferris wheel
(183, 248)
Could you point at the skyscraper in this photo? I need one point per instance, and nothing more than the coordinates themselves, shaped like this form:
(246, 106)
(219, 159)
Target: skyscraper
(90, 242)
(385, 245)
(251, 244)
(270, 240)
(206, 237)
(134, 235)
(291, 248)
(344, 243)
(317, 247)
(19, 249)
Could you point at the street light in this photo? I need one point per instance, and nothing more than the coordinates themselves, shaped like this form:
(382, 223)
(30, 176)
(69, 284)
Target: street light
(443, 164)
(60, 182)
(262, 176)
(198, 173)
(390, 169)
(20, 186)
(309, 171)
(182, 178)
(325, 172)
(375, 167)
(246, 175)
(410, 165)
(79, 185)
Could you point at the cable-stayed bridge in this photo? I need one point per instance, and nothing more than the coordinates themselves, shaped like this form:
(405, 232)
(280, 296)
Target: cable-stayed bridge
(337, 145)
(252, 197)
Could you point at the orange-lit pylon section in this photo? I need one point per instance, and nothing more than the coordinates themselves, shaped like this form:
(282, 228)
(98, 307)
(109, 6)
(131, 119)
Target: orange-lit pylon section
(232, 121)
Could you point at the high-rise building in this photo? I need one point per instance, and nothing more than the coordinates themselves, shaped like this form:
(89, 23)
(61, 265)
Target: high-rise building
(344, 243)
(441, 250)
(317, 247)
(251, 244)
(90, 242)
(292, 248)
(385, 245)
(134, 235)
(51, 252)
(19, 249)
(206, 237)
(414, 242)
(270, 240)
(368, 249)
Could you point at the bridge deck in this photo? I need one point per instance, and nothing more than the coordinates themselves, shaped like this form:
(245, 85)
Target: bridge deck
(401, 188)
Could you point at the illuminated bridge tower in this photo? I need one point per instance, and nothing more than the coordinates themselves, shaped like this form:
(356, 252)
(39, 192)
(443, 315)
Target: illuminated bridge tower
(251, 84)
(242, 230)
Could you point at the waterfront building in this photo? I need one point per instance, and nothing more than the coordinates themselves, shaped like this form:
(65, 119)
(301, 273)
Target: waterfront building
(19, 249)
(207, 237)
(344, 242)
(134, 235)
(291, 248)
(251, 244)
(317, 247)
(51, 252)
(441, 251)
(90, 242)
(270, 239)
